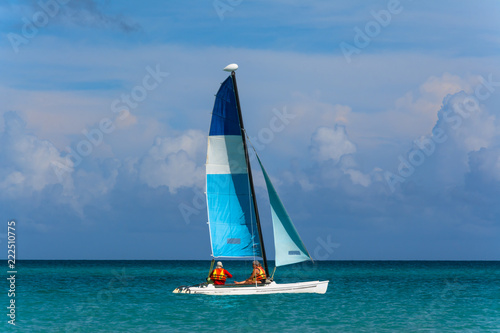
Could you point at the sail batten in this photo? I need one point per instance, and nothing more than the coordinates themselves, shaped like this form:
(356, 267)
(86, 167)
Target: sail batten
(289, 248)
(232, 221)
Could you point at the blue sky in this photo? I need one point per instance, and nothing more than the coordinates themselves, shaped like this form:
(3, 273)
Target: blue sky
(389, 150)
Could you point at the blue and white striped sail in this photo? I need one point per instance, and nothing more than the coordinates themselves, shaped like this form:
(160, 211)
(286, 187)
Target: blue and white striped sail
(289, 247)
(231, 214)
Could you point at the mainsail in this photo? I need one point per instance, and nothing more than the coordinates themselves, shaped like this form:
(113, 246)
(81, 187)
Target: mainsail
(288, 245)
(231, 213)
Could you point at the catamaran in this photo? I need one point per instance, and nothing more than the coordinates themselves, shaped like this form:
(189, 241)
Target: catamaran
(234, 222)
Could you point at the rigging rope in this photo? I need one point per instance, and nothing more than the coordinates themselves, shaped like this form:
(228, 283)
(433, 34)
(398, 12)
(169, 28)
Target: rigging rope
(256, 155)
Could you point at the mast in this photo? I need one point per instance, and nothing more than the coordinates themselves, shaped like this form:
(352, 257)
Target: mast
(259, 229)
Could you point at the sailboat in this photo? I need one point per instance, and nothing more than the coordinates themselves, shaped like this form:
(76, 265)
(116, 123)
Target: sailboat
(234, 222)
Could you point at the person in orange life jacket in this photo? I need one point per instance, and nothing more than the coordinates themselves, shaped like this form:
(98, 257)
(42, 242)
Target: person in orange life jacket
(219, 274)
(258, 274)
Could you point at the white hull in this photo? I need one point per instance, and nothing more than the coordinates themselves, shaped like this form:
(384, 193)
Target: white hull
(318, 287)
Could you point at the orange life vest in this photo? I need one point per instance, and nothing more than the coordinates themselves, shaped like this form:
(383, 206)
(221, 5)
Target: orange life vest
(261, 275)
(218, 274)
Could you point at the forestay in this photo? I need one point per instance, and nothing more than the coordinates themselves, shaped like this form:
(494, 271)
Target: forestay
(231, 216)
(289, 247)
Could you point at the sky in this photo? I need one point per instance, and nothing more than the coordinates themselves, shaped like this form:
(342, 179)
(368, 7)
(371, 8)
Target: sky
(377, 123)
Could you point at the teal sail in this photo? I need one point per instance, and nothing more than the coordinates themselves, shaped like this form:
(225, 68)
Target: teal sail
(231, 213)
(288, 245)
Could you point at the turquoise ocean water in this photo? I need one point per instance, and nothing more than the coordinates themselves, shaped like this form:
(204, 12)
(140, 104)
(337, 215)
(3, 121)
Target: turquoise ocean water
(363, 296)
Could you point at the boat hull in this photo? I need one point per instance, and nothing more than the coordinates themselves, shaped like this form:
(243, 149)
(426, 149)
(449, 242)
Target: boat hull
(318, 287)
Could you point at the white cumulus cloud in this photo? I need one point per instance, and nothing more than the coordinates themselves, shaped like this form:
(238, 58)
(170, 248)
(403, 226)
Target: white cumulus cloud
(331, 144)
(174, 161)
(27, 162)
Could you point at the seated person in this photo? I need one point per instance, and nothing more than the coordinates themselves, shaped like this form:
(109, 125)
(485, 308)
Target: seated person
(258, 275)
(219, 274)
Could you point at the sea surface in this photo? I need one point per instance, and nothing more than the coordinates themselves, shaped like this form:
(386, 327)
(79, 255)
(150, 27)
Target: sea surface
(363, 296)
